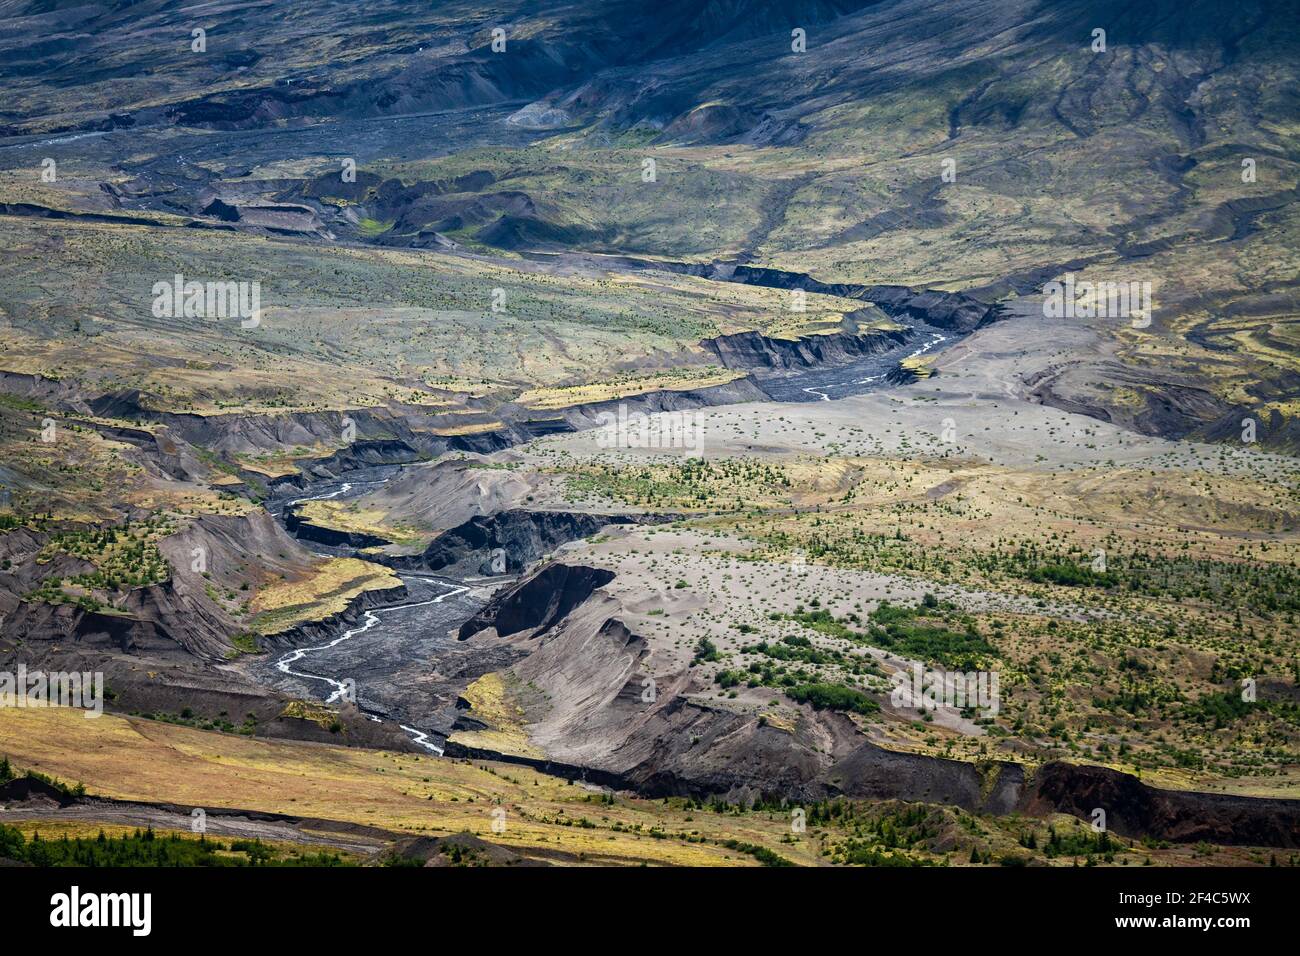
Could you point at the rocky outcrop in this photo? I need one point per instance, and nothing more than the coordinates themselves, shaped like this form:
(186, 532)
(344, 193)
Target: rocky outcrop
(903, 375)
(277, 218)
(326, 628)
(363, 454)
(167, 648)
(48, 391)
(162, 453)
(604, 706)
(227, 544)
(539, 601)
(954, 311)
(161, 620)
(176, 620)
(18, 551)
(509, 541)
(45, 212)
(753, 350)
(944, 310)
(1166, 404)
(384, 434)
(1273, 429)
(34, 792)
(305, 530)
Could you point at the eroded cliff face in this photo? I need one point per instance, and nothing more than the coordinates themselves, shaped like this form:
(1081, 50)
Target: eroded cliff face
(954, 311)
(326, 628)
(509, 541)
(385, 434)
(167, 620)
(597, 699)
(1133, 809)
(395, 434)
(595, 704)
(537, 602)
(305, 530)
(752, 350)
(169, 647)
(174, 620)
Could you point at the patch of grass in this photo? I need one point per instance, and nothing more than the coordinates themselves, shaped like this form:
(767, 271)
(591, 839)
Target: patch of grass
(246, 642)
(490, 700)
(326, 590)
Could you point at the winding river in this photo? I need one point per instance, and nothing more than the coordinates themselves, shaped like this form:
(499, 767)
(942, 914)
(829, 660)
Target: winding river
(383, 662)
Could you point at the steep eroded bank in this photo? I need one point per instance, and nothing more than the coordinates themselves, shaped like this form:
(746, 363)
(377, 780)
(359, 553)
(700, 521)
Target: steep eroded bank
(593, 705)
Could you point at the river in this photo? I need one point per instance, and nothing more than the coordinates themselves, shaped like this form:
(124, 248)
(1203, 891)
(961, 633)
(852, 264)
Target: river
(856, 378)
(389, 660)
(386, 661)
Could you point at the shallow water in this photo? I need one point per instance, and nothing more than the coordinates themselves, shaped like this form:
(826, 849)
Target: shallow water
(856, 378)
(388, 655)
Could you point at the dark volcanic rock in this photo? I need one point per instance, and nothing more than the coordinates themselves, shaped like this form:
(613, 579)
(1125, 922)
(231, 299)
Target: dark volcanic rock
(220, 210)
(314, 632)
(953, 311)
(1169, 405)
(539, 601)
(875, 773)
(749, 350)
(1133, 809)
(509, 541)
(31, 791)
(305, 530)
(944, 310)
(161, 620)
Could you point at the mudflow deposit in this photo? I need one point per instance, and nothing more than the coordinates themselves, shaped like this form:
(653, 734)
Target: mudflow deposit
(824, 432)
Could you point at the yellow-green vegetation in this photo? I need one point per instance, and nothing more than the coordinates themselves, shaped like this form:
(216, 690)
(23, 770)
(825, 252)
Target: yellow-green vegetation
(123, 557)
(324, 591)
(1145, 598)
(77, 476)
(81, 477)
(76, 843)
(546, 817)
(244, 643)
(279, 463)
(469, 428)
(148, 760)
(918, 366)
(798, 326)
(626, 386)
(310, 710)
(491, 700)
(353, 329)
(693, 484)
(350, 516)
(373, 227)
